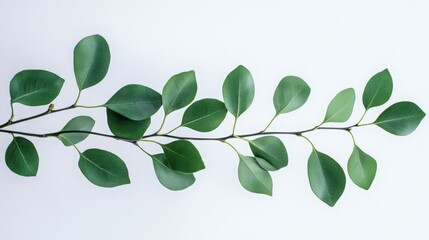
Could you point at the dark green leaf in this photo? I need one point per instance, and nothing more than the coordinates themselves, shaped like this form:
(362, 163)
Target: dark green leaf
(291, 93)
(91, 61)
(341, 107)
(126, 128)
(378, 90)
(103, 168)
(238, 91)
(272, 150)
(169, 178)
(327, 178)
(401, 118)
(204, 115)
(361, 168)
(179, 91)
(35, 87)
(135, 102)
(183, 156)
(22, 157)
(81, 123)
(254, 178)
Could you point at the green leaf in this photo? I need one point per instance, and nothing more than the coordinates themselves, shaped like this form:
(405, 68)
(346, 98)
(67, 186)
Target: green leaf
(204, 115)
(135, 102)
(22, 157)
(378, 90)
(103, 168)
(254, 178)
(401, 118)
(238, 91)
(169, 178)
(179, 91)
(272, 150)
(341, 107)
(91, 61)
(121, 126)
(291, 93)
(327, 178)
(361, 168)
(183, 156)
(81, 123)
(35, 87)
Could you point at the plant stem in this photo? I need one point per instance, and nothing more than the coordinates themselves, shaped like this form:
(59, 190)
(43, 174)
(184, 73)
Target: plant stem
(306, 138)
(162, 124)
(233, 127)
(147, 153)
(363, 115)
(172, 130)
(229, 144)
(269, 124)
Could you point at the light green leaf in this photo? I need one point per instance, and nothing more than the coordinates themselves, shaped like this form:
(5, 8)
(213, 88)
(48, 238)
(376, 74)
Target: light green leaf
(401, 118)
(341, 107)
(291, 93)
(169, 178)
(378, 90)
(183, 156)
(126, 128)
(361, 168)
(80, 123)
(204, 115)
(254, 178)
(272, 150)
(179, 91)
(35, 87)
(22, 157)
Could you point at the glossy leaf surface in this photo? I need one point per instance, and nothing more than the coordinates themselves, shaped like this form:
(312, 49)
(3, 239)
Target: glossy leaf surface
(291, 93)
(169, 178)
(253, 177)
(183, 156)
(80, 123)
(341, 107)
(179, 91)
(204, 115)
(124, 127)
(272, 150)
(21, 157)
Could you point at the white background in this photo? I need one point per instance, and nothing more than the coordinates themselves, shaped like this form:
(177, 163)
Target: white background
(330, 44)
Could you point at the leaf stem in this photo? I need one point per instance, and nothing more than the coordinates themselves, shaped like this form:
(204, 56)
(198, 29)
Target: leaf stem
(306, 138)
(229, 144)
(140, 147)
(363, 115)
(172, 130)
(233, 127)
(162, 124)
(269, 124)
(353, 137)
(78, 97)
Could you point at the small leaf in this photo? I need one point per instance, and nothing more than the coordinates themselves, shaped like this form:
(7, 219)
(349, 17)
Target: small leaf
(204, 115)
(272, 150)
(401, 118)
(254, 178)
(238, 91)
(341, 107)
(103, 168)
(35, 87)
(169, 178)
(361, 168)
(378, 90)
(183, 156)
(135, 102)
(126, 128)
(91, 61)
(81, 123)
(291, 93)
(22, 157)
(179, 91)
(327, 178)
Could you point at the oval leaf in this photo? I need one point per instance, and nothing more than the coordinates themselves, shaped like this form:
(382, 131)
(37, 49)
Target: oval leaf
(327, 178)
(378, 90)
(341, 107)
(272, 150)
(91, 61)
(35, 87)
(291, 93)
(238, 91)
(81, 123)
(254, 178)
(103, 168)
(401, 118)
(126, 128)
(361, 168)
(204, 115)
(22, 157)
(179, 91)
(135, 102)
(183, 156)
(169, 178)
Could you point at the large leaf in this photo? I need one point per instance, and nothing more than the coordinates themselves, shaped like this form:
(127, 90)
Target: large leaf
(135, 102)
(361, 168)
(327, 178)
(378, 90)
(179, 91)
(254, 178)
(401, 118)
(291, 93)
(91, 61)
(169, 178)
(183, 156)
(22, 157)
(35, 87)
(80, 123)
(126, 128)
(341, 107)
(204, 115)
(103, 168)
(272, 150)
(238, 91)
